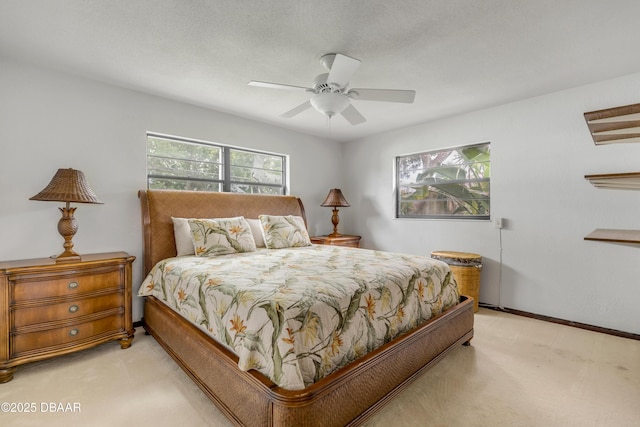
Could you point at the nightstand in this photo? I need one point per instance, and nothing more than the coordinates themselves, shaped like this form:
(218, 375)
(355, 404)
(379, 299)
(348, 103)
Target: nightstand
(343, 240)
(48, 308)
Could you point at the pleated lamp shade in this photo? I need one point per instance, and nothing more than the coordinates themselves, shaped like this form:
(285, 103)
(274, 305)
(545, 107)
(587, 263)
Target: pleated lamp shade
(335, 199)
(68, 185)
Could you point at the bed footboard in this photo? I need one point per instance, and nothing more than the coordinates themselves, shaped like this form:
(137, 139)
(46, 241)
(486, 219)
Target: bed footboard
(376, 378)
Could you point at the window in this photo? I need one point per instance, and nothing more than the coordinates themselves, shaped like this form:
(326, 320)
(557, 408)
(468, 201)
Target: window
(183, 164)
(449, 183)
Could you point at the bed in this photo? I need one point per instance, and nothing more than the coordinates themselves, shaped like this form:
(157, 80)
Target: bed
(249, 397)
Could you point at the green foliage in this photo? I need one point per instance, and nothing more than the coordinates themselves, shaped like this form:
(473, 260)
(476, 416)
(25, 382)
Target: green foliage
(184, 165)
(445, 183)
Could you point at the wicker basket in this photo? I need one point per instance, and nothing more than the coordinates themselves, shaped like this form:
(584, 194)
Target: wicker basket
(466, 268)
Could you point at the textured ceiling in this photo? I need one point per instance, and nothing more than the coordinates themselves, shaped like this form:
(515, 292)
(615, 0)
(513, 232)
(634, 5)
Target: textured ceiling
(459, 55)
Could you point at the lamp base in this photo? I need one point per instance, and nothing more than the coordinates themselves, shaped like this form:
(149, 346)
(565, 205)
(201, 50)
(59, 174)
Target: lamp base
(67, 257)
(335, 220)
(67, 227)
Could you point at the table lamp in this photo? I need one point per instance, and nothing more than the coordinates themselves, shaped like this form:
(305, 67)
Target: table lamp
(335, 200)
(67, 185)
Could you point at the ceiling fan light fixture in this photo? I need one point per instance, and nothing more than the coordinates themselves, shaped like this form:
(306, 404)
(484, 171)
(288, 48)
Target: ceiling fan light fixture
(329, 103)
(331, 93)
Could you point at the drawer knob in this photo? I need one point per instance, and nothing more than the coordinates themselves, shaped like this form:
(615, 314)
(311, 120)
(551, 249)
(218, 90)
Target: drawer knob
(74, 308)
(73, 285)
(73, 332)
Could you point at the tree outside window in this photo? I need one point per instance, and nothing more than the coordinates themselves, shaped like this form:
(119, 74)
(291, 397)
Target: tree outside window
(182, 164)
(448, 183)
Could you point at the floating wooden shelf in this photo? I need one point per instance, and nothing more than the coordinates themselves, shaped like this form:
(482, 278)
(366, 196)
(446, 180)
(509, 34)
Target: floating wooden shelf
(614, 125)
(625, 181)
(616, 236)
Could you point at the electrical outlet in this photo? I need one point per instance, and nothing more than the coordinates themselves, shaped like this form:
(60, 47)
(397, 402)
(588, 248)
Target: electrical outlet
(499, 222)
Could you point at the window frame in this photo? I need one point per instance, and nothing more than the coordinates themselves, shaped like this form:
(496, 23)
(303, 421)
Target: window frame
(225, 180)
(399, 184)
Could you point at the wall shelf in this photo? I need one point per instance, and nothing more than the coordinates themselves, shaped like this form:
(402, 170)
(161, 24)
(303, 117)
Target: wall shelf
(614, 125)
(623, 181)
(615, 236)
(609, 126)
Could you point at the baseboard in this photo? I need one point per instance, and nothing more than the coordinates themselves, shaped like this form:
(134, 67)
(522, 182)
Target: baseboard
(607, 331)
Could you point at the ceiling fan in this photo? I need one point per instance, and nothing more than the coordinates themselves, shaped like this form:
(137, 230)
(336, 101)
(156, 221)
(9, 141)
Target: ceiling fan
(332, 95)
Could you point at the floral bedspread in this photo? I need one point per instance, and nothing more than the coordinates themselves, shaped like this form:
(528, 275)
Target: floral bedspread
(298, 314)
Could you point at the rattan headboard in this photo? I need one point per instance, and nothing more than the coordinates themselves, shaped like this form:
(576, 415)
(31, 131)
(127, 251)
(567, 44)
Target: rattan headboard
(158, 206)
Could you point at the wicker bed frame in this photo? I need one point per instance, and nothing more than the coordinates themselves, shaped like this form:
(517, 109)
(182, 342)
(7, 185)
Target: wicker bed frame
(249, 398)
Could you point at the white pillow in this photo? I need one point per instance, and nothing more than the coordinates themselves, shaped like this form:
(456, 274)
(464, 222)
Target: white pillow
(256, 230)
(182, 234)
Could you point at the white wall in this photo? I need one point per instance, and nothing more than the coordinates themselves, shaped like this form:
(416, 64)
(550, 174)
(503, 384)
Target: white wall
(50, 120)
(540, 151)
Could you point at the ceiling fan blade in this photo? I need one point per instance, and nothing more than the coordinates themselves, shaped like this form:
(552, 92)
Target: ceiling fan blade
(342, 70)
(279, 86)
(353, 116)
(297, 110)
(385, 95)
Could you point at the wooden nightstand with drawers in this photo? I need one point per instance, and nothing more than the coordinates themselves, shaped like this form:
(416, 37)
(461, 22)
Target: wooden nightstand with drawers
(48, 308)
(342, 240)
